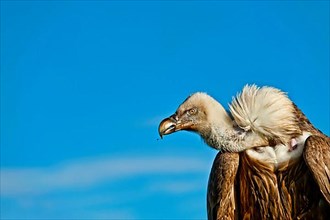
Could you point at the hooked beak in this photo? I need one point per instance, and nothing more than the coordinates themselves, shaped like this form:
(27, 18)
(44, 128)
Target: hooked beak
(168, 126)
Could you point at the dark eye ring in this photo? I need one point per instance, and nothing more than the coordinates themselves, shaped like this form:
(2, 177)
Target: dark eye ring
(192, 111)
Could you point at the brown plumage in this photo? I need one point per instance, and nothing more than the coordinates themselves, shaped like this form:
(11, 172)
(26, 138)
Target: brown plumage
(273, 163)
(222, 196)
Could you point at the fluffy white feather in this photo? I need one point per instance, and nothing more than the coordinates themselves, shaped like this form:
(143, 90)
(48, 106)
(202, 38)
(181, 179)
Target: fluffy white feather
(266, 111)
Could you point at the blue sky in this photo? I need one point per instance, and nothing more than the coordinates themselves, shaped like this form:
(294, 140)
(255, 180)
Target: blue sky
(84, 85)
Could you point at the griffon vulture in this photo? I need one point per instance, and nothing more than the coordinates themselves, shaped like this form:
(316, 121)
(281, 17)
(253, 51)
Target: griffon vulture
(273, 163)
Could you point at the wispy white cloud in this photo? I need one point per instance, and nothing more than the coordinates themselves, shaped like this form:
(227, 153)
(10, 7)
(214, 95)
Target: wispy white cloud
(89, 172)
(154, 121)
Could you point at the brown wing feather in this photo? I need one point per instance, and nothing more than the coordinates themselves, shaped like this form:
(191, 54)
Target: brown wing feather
(221, 202)
(260, 195)
(317, 157)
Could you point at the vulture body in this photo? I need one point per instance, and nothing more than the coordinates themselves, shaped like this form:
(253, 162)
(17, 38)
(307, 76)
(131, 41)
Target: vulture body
(272, 164)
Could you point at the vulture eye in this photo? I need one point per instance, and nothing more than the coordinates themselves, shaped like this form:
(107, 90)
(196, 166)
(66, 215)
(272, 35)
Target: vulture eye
(192, 111)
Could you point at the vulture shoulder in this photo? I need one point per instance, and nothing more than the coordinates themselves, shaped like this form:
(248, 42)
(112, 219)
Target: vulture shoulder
(221, 201)
(317, 158)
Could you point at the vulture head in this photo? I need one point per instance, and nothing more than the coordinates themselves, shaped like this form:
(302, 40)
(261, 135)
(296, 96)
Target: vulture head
(202, 114)
(198, 113)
